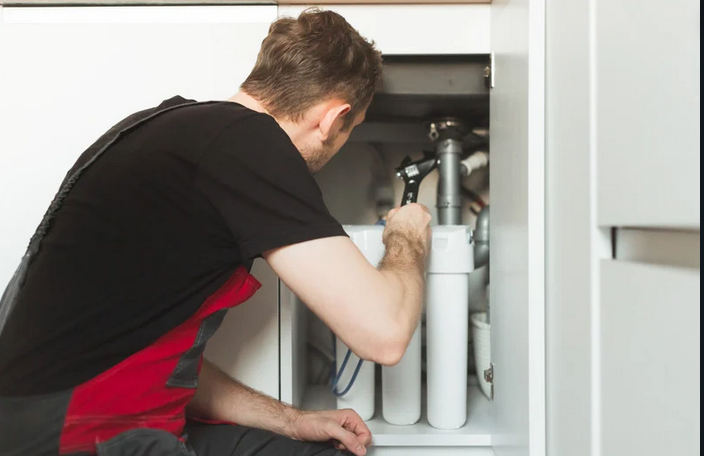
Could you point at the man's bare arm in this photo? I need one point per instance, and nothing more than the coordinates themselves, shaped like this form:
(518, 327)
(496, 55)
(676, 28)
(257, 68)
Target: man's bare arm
(375, 312)
(221, 398)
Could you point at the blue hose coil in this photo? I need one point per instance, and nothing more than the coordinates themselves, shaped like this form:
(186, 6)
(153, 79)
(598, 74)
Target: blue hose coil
(336, 376)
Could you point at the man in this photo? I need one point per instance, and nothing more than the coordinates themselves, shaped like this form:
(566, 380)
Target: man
(150, 239)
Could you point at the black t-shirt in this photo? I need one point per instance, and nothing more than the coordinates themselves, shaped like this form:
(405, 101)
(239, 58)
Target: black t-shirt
(156, 225)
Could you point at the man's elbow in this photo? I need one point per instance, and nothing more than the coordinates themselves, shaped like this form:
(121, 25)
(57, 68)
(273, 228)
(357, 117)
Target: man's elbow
(390, 357)
(390, 349)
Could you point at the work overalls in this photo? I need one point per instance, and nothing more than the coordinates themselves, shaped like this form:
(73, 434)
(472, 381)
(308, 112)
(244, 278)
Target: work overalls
(138, 406)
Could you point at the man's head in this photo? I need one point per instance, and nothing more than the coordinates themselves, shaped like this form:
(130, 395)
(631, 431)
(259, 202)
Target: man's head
(316, 75)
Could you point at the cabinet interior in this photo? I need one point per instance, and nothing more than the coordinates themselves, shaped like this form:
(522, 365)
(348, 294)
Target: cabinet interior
(359, 184)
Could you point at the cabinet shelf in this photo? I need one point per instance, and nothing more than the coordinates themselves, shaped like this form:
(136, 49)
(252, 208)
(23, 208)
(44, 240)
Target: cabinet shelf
(476, 432)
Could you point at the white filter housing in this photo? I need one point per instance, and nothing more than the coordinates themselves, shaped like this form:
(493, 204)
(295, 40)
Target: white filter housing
(360, 397)
(447, 325)
(447, 320)
(401, 384)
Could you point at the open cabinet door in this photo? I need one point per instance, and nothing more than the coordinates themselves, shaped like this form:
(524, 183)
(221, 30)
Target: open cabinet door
(518, 226)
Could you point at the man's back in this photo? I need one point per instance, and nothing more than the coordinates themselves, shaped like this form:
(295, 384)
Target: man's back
(156, 225)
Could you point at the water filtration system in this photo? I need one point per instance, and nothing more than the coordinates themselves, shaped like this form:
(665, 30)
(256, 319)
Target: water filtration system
(451, 260)
(447, 337)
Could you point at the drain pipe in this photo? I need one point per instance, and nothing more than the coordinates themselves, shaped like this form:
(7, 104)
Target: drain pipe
(481, 239)
(447, 135)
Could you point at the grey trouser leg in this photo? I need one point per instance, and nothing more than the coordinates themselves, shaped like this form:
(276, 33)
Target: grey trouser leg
(226, 440)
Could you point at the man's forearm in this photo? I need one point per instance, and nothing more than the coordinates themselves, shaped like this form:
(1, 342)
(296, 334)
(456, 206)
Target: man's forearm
(404, 264)
(221, 398)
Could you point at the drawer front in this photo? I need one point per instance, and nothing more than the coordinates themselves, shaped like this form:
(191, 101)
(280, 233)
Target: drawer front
(649, 356)
(647, 113)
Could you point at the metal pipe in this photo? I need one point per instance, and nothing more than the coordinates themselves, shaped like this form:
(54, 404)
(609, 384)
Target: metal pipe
(449, 201)
(481, 239)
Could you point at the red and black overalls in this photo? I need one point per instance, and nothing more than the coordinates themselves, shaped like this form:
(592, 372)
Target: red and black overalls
(137, 406)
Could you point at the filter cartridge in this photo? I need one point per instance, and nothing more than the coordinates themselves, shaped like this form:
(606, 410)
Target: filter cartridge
(447, 326)
(360, 397)
(400, 386)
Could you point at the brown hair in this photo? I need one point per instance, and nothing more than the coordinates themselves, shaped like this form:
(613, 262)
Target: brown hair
(314, 58)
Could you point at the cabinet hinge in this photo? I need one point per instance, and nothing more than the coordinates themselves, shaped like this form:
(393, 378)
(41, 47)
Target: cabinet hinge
(489, 73)
(489, 377)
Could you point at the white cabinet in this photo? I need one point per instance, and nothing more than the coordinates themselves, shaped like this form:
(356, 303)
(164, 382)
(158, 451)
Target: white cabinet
(623, 151)
(568, 230)
(514, 423)
(650, 382)
(246, 346)
(417, 29)
(518, 227)
(647, 113)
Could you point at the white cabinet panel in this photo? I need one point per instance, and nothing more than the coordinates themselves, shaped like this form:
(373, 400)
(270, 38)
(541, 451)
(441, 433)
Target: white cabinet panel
(293, 336)
(246, 346)
(68, 74)
(647, 67)
(569, 246)
(650, 352)
(417, 29)
(518, 226)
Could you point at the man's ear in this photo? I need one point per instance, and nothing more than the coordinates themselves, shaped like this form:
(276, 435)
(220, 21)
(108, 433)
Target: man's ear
(335, 111)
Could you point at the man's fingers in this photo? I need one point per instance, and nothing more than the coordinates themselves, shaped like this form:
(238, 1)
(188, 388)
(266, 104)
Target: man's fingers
(424, 207)
(346, 438)
(392, 212)
(354, 423)
(365, 436)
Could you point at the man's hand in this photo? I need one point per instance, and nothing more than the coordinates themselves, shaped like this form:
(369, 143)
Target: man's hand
(221, 398)
(411, 223)
(345, 427)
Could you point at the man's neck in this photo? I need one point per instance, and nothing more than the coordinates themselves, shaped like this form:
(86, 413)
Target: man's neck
(292, 129)
(248, 101)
